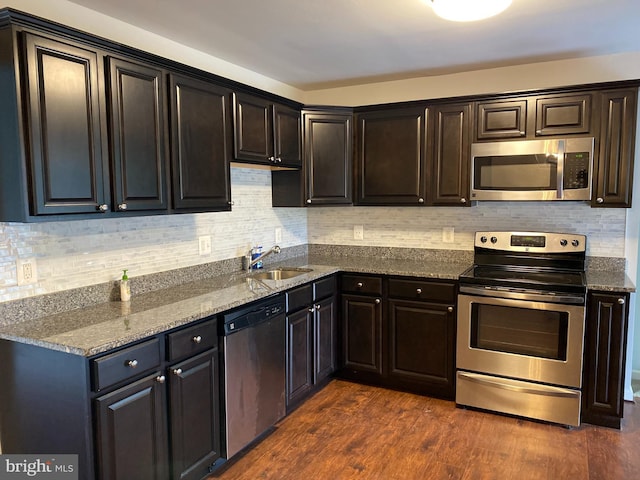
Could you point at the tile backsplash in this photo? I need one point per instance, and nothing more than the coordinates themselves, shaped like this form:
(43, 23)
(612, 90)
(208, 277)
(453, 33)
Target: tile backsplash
(79, 253)
(85, 252)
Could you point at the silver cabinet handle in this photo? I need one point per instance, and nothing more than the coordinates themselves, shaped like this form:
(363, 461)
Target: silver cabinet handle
(160, 378)
(122, 207)
(177, 371)
(231, 202)
(463, 200)
(421, 200)
(132, 363)
(359, 284)
(377, 301)
(449, 309)
(317, 307)
(621, 301)
(599, 200)
(311, 310)
(278, 160)
(102, 208)
(308, 200)
(418, 291)
(197, 339)
(272, 159)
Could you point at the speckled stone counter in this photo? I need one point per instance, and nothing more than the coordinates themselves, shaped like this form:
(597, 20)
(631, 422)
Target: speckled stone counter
(99, 328)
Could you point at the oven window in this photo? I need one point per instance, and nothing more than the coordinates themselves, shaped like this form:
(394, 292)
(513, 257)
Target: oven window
(535, 333)
(515, 172)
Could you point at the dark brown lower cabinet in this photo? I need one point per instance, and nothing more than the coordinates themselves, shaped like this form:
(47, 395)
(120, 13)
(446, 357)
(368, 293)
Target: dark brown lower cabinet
(604, 358)
(399, 333)
(311, 338)
(421, 347)
(132, 431)
(194, 416)
(362, 336)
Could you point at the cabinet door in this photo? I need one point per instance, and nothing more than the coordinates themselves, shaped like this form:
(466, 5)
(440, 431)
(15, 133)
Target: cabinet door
(421, 346)
(299, 354)
(137, 97)
(287, 131)
(449, 170)
(65, 131)
(563, 115)
(604, 358)
(253, 129)
(328, 153)
(613, 178)
(201, 134)
(390, 163)
(325, 339)
(501, 119)
(362, 333)
(131, 433)
(194, 411)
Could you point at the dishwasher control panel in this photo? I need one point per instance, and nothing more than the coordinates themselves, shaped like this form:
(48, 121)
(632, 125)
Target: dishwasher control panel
(253, 314)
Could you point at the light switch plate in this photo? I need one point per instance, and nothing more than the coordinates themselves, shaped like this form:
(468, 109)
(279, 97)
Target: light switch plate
(204, 245)
(448, 235)
(278, 235)
(358, 232)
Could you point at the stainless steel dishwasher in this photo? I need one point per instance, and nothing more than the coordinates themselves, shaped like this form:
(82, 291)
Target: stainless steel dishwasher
(254, 366)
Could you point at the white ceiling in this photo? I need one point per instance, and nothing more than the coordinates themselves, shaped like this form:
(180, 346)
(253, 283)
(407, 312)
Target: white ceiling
(311, 44)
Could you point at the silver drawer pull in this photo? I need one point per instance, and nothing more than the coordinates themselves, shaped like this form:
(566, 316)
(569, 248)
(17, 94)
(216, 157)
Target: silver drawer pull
(449, 309)
(132, 363)
(197, 339)
(418, 291)
(621, 301)
(177, 371)
(377, 301)
(160, 379)
(359, 284)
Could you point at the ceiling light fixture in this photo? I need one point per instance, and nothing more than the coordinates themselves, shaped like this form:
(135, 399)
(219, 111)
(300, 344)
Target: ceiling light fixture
(468, 10)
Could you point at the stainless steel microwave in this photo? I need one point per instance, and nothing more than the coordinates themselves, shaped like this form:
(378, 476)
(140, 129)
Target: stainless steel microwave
(559, 169)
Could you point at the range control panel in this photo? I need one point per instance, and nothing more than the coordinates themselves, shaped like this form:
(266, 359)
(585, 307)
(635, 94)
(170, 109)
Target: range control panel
(538, 242)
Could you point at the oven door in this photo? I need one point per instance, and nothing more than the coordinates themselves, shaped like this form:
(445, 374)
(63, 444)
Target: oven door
(521, 339)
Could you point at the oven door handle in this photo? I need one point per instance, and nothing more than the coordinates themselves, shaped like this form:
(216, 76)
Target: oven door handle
(522, 295)
(556, 392)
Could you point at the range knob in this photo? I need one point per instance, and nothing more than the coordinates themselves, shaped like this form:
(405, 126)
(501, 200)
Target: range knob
(494, 239)
(563, 242)
(483, 239)
(575, 243)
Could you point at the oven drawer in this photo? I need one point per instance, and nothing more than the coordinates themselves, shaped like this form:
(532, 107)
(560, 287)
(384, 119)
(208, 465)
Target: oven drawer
(430, 291)
(515, 397)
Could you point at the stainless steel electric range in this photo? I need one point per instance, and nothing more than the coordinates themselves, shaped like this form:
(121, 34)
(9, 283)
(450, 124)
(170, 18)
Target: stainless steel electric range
(521, 317)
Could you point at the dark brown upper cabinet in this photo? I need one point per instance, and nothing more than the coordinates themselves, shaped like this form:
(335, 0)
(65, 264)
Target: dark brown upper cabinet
(65, 117)
(534, 116)
(202, 144)
(266, 133)
(326, 175)
(390, 156)
(563, 115)
(613, 174)
(137, 98)
(501, 119)
(449, 149)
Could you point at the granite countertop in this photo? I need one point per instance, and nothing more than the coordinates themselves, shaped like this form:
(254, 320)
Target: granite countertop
(97, 329)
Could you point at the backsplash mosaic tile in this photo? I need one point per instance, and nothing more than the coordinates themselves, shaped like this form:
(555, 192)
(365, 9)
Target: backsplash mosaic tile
(80, 253)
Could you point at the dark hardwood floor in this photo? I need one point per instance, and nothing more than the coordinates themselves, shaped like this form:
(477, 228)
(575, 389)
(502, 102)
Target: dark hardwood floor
(351, 431)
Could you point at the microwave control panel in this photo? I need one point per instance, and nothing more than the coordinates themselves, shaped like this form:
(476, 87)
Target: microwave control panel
(576, 170)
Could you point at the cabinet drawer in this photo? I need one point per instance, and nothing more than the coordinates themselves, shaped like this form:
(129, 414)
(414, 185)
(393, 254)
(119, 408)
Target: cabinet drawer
(299, 297)
(192, 340)
(362, 284)
(422, 290)
(125, 364)
(324, 288)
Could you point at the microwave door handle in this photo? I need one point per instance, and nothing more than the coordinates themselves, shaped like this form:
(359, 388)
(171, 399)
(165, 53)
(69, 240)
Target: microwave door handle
(560, 170)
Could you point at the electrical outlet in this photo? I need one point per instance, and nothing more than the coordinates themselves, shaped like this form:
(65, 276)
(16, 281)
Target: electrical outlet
(204, 245)
(358, 232)
(27, 271)
(448, 235)
(278, 235)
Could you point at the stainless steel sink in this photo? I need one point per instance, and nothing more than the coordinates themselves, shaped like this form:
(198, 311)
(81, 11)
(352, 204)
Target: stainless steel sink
(281, 273)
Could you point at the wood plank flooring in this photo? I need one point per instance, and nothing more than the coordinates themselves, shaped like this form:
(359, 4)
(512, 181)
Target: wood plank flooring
(351, 431)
